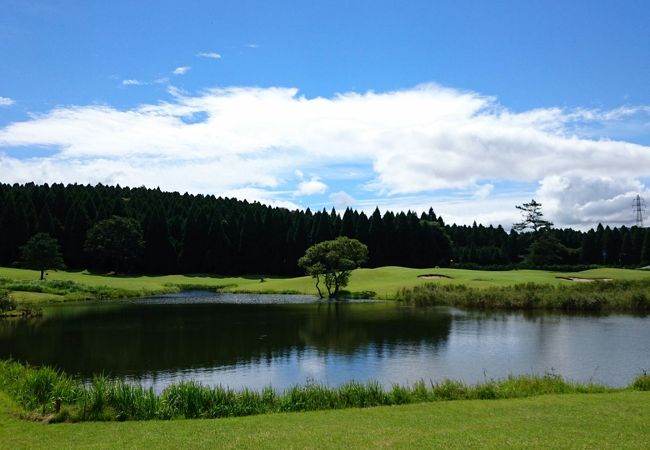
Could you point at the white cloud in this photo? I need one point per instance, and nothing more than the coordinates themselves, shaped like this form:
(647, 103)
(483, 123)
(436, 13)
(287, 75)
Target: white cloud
(181, 70)
(252, 45)
(132, 82)
(483, 191)
(585, 201)
(341, 200)
(6, 101)
(311, 187)
(416, 141)
(263, 196)
(209, 55)
(495, 210)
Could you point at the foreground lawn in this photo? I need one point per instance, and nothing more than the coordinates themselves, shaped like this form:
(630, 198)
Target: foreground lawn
(385, 281)
(616, 420)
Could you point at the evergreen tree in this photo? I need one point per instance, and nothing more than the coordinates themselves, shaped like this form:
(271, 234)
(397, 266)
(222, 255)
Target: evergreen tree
(75, 229)
(546, 250)
(46, 223)
(224, 235)
(347, 224)
(589, 251)
(532, 217)
(195, 237)
(626, 252)
(376, 239)
(159, 253)
(645, 250)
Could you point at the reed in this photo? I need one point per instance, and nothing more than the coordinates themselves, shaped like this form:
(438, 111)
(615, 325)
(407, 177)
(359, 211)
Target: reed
(615, 295)
(37, 389)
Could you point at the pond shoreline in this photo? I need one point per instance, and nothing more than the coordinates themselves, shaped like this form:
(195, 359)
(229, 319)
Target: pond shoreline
(596, 296)
(624, 290)
(57, 397)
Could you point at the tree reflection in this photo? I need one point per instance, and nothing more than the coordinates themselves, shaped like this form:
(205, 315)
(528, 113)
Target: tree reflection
(135, 339)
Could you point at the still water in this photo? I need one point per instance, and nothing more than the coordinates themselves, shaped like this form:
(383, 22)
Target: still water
(260, 340)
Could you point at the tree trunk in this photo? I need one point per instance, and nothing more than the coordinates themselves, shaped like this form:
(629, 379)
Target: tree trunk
(336, 286)
(320, 294)
(42, 272)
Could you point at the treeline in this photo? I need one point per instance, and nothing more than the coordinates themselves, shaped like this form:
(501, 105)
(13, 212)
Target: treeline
(186, 233)
(490, 246)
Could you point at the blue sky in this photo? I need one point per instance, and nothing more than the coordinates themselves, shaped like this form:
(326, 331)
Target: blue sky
(398, 104)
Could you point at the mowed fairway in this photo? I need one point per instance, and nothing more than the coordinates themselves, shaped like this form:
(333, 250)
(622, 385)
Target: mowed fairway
(384, 281)
(617, 420)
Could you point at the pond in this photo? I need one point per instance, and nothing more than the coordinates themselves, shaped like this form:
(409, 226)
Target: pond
(259, 340)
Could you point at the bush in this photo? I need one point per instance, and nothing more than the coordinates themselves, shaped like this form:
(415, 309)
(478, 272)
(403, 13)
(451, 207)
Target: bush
(6, 303)
(642, 383)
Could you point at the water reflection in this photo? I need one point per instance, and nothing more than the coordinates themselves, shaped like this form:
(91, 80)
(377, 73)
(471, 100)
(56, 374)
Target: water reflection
(265, 341)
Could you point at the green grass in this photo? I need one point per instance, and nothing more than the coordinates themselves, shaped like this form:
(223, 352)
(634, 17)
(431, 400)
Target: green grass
(385, 282)
(616, 420)
(516, 412)
(37, 389)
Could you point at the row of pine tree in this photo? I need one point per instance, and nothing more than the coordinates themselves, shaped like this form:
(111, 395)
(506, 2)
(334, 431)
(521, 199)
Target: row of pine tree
(186, 233)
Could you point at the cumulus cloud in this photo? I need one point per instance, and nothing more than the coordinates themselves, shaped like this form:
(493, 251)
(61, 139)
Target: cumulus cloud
(181, 70)
(585, 201)
(311, 187)
(341, 199)
(6, 101)
(209, 55)
(415, 141)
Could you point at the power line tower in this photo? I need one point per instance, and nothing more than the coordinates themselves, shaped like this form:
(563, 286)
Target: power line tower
(638, 207)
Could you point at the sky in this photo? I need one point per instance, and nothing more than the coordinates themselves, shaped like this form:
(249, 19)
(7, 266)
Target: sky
(467, 107)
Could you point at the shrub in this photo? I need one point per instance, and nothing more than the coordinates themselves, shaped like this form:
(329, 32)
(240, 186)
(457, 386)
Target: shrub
(642, 383)
(6, 303)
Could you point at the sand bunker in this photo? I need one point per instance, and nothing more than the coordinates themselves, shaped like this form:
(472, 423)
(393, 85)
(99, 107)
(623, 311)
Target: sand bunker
(432, 276)
(584, 280)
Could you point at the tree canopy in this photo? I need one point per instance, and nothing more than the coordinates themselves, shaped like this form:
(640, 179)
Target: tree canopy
(187, 233)
(116, 243)
(41, 252)
(532, 217)
(333, 261)
(546, 250)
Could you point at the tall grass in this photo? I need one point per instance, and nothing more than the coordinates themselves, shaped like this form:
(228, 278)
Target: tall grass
(71, 290)
(37, 389)
(619, 295)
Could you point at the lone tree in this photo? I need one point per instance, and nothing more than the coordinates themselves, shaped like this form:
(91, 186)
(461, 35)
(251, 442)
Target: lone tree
(333, 261)
(532, 217)
(115, 243)
(41, 252)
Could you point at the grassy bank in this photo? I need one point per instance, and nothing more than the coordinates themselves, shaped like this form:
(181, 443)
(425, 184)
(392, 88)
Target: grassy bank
(614, 420)
(615, 295)
(385, 282)
(37, 390)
